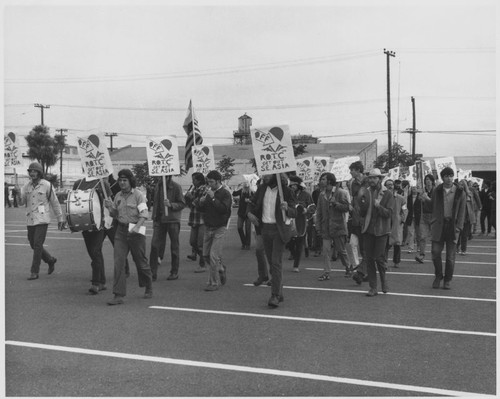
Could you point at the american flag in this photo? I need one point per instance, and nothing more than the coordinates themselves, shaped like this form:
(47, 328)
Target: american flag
(193, 135)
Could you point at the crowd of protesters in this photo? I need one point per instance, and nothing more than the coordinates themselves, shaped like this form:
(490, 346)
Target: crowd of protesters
(357, 222)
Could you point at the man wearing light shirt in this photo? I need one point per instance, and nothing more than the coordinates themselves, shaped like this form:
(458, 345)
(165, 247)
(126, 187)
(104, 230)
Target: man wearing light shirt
(130, 210)
(39, 197)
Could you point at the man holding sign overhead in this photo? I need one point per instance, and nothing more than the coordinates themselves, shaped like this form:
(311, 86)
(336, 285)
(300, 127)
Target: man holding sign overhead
(274, 204)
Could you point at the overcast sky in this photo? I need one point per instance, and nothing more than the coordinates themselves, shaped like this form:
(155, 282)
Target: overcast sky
(132, 68)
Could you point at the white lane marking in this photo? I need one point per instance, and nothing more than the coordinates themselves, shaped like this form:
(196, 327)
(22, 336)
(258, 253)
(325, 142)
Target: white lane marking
(330, 321)
(389, 293)
(8, 243)
(408, 273)
(247, 369)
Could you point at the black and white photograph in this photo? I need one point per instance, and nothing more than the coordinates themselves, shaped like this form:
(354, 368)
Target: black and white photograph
(266, 198)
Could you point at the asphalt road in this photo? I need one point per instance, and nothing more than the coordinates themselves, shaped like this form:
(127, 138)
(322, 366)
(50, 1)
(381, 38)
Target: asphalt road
(326, 339)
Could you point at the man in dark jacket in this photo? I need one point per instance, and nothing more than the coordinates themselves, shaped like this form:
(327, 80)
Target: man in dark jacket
(448, 214)
(166, 220)
(244, 226)
(216, 208)
(273, 213)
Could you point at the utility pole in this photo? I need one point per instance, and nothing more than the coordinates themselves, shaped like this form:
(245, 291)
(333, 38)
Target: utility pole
(61, 131)
(41, 106)
(111, 135)
(389, 54)
(414, 128)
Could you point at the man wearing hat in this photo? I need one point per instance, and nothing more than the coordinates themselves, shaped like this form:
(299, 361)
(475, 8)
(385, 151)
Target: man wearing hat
(377, 204)
(39, 196)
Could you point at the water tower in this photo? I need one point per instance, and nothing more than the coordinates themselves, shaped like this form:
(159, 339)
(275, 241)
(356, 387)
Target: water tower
(242, 135)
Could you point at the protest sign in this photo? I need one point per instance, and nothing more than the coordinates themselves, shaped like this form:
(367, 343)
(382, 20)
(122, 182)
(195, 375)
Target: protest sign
(393, 173)
(11, 153)
(273, 150)
(94, 156)
(252, 180)
(321, 165)
(203, 158)
(442, 163)
(163, 156)
(340, 168)
(464, 174)
(305, 169)
(477, 180)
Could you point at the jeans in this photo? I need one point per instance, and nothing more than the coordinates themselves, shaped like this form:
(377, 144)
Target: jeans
(160, 231)
(93, 242)
(244, 230)
(485, 214)
(136, 244)
(36, 237)
(260, 254)
(274, 247)
(213, 243)
(464, 237)
(424, 232)
(396, 258)
(437, 249)
(196, 240)
(296, 247)
(375, 257)
(339, 248)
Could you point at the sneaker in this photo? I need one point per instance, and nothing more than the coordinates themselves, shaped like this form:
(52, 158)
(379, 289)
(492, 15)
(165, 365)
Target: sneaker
(200, 269)
(372, 292)
(102, 287)
(94, 290)
(173, 277)
(211, 288)
(296, 270)
(446, 285)
(324, 276)
(348, 272)
(269, 283)
(117, 300)
(436, 283)
(274, 301)
(52, 264)
(419, 259)
(358, 277)
(148, 294)
(396, 265)
(33, 276)
(192, 257)
(259, 281)
(463, 253)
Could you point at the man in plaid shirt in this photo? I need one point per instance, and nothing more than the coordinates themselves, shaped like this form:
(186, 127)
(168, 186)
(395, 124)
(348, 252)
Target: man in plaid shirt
(196, 219)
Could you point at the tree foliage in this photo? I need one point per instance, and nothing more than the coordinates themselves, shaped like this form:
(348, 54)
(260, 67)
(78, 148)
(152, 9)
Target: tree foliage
(43, 147)
(400, 157)
(142, 177)
(225, 167)
(297, 150)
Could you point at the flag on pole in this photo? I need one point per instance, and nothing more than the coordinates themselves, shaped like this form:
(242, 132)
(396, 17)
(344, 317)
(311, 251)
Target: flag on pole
(193, 135)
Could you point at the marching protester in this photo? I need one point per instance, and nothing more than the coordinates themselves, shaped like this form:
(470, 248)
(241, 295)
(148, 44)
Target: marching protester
(485, 195)
(15, 195)
(476, 206)
(303, 198)
(6, 195)
(166, 218)
(355, 222)
(94, 237)
(424, 226)
(216, 208)
(378, 205)
(271, 211)
(130, 210)
(39, 197)
(448, 213)
(333, 206)
(195, 220)
(398, 219)
(316, 236)
(468, 219)
(244, 226)
(260, 253)
(413, 219)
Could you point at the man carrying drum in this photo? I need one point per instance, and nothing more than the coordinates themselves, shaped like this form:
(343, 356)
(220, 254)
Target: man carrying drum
(95, 235)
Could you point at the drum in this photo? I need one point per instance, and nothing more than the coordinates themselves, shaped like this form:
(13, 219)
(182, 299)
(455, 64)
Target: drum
(83, 211)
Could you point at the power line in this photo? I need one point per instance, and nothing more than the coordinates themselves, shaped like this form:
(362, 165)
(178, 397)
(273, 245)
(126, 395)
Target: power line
(204, 72)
